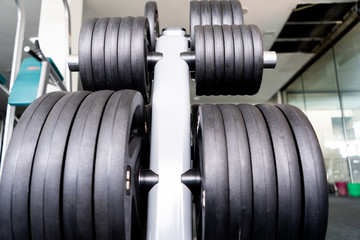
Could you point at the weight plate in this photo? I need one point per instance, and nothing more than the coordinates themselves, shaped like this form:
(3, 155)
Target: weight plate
(98, 53)
(216, 16)
(111, 51)
(151, 13)
(193, 127)
(229, 59)
(226, 12)
(248, 58)
(211, 143)
(209, 59)
(46, 177)
(237, 12)
(85, 48)
(195, 19)
(258, 59)
(238, 81)
(205, 12)
(118, 150)
(124, 53)
(315, 200)
(139, 49)
(263, 172)
(240, 178)
(79, 168)
(287, 173)
(201, 87)
(17, 167)
(219, 67)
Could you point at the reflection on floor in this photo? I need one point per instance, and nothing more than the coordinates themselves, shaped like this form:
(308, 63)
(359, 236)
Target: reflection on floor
(344, 218)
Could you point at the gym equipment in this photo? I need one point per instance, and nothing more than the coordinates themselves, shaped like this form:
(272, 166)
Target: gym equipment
(2, 83)
(81, 165)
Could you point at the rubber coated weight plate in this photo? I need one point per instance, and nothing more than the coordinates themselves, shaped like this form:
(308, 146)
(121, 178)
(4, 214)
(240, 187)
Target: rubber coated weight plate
(263, 172)
(227, 15)
(313, 174)
(151, 13)
(139, 49)
(124, 53)
(79, 168)
(216, 16)
(200, 61)
(205, 12)
(46, 178)
(85, 48)
(117, 155)
(287, 172)
(195, 19)
(237, 12)
(258, 59)
(240, 179)
(238, 82)
(111, 51)
(17, 167)
(209, 59)
(248, 58)
(211, 143)
(98, 53)
(219, 60)
(229, 59)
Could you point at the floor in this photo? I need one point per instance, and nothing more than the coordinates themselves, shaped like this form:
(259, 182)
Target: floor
(344, 218)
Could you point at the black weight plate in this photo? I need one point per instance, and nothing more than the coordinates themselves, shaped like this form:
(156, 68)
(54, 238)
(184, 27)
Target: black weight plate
(287, 172)
(124, 53)
(151, 13)
(46, 178)
(313, 174)
(17, 167)
(205, 12)
(238, 81)
(263, 172)
(237, 12)
(98, 53)
(240, 179)
(139, 50)
(200, 61)
(211, 143)
(226, 12)
(229, 59)
(209, 59)
(85, 48)
(79, 168)
(248, 58)
(195, 19)
(118, 149)
(111, 51)
(216, 15)
(258, 59)
(219, 60)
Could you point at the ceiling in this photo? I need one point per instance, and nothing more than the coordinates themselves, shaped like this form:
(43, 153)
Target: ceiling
(270, 16)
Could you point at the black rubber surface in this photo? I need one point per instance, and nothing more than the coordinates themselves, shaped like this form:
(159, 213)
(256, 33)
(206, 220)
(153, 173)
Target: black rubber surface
(195, 19)
(227, 15)
(211, 143)
(79, 168)
(240, 178)
(118, 150)
(17, 169)
(216, 15)
(98, 53)
(111, 50)
(85, 48)
(219, 60)
(315, 200)
(237, 12)
(201, 85)
(263, 172)
(258, 59)
(238, 82)
(151, 13)
(46, 178)
(229, 59)
(287, 173)
(124, 52)
(248, 57)
(205, 12)
(209, 59)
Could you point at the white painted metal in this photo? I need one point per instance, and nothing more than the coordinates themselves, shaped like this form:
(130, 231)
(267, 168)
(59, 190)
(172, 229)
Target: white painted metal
(67, 44)
(169, 205)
